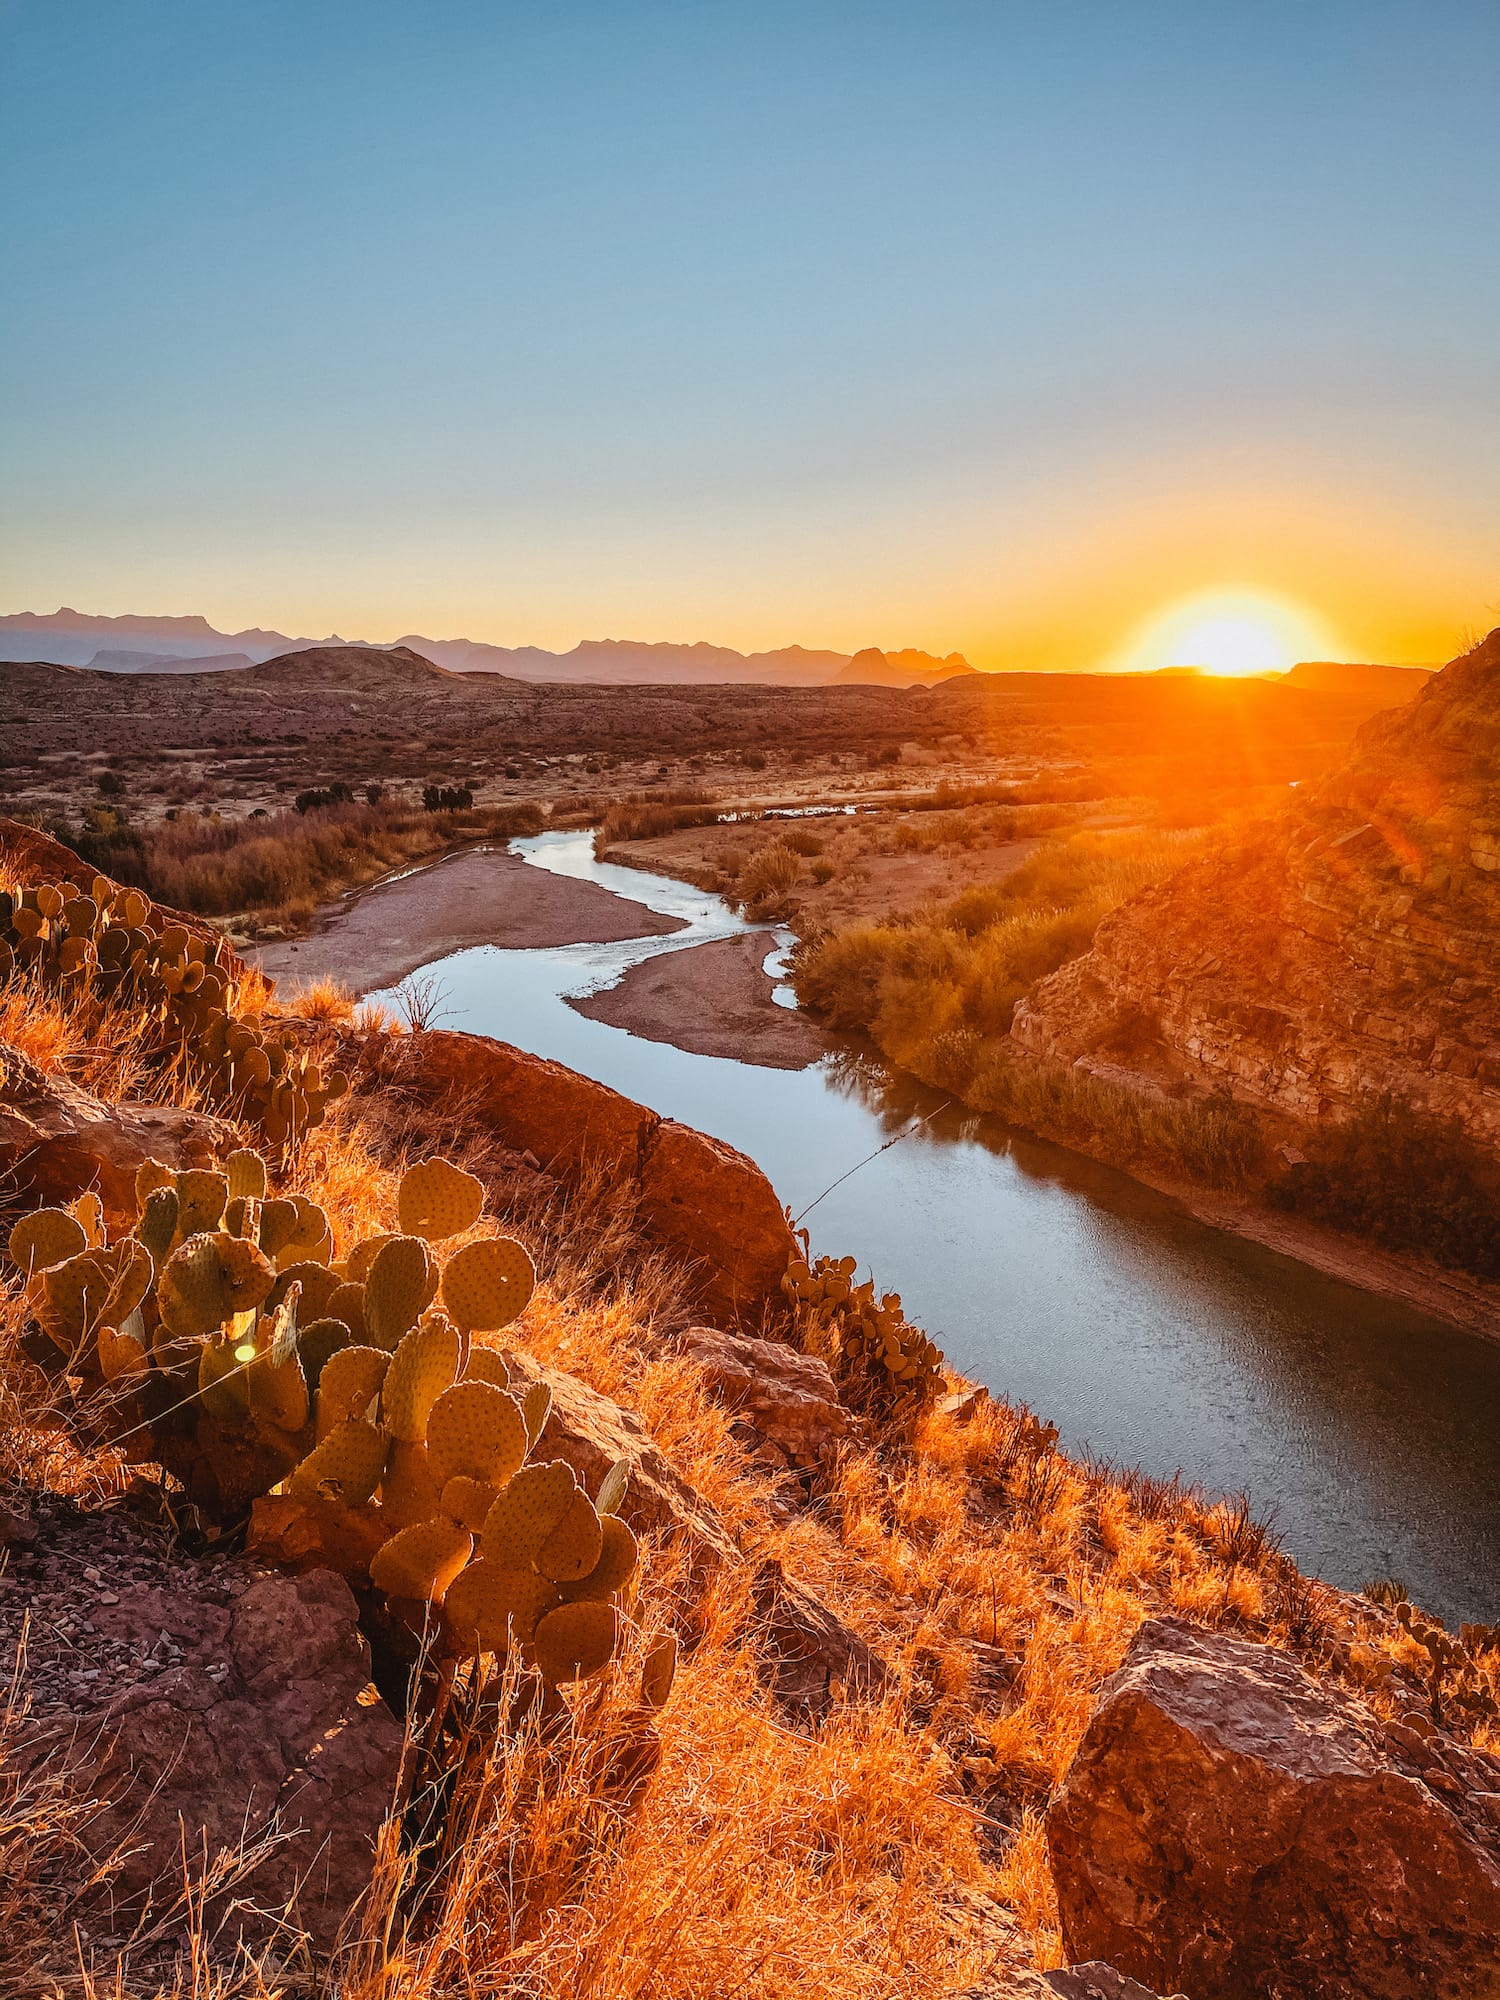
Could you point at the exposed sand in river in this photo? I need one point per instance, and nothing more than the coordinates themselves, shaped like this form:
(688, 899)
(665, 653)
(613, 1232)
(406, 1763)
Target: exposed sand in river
(712, 1000)
(378, 935)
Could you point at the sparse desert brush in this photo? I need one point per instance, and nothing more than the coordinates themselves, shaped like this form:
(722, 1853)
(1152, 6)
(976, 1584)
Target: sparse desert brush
(644, 818)
(770, 873)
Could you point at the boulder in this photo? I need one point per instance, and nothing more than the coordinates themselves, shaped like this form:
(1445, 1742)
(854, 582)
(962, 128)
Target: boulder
(219, 1712)
(1233, 1827)
(706, 1203)
(808, 1649)
(56, 1140)
(592, 1433)
(785, 1400)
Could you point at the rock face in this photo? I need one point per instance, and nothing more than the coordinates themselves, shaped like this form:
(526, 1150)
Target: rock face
(1352, 946)
(1231, 1828)
(784, 1400)
(56, 1140)
(699, 1198)
(215, 1709)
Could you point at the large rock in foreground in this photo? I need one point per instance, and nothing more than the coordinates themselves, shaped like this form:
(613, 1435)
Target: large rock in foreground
(56, 1140)
(706, 1203)
(1232, 1828)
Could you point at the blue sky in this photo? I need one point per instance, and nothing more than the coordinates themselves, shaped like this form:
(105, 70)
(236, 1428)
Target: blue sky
(984, 326)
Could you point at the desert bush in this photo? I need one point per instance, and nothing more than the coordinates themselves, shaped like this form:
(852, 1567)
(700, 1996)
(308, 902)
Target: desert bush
(1404, 1176)
(823, 871)
(769, 873)
(639, 818)
(802, 840)
(446, 798)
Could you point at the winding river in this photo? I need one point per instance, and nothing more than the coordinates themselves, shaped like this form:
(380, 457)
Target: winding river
(1367, 1433)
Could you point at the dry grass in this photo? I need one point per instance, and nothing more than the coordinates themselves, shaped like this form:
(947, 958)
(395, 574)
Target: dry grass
(1000, 1580)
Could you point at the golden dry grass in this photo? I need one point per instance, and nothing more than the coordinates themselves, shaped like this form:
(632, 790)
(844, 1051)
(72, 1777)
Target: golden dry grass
(864, 1860)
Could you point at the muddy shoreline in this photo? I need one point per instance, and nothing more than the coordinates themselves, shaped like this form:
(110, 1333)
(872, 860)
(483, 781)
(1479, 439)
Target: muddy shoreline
(711, 999)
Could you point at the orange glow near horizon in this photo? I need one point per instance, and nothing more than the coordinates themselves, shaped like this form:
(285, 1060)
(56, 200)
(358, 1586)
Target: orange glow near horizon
(1235, 633)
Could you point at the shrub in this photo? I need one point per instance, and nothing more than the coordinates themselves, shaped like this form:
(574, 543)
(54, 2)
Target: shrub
(318, 799)
(446, 798)
(1405, 1177)
(769, 873)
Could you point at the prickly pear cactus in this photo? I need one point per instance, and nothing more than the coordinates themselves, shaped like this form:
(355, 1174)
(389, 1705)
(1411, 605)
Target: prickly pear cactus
(875, 1348)
(109, 947)
(341, 1398)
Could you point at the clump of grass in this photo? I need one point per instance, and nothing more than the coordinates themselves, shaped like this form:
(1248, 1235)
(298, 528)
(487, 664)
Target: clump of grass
(645, 816)
(275, 870)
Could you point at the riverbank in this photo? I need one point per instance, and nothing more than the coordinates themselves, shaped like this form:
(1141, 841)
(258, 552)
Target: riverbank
(377, 936)
(712, 1000)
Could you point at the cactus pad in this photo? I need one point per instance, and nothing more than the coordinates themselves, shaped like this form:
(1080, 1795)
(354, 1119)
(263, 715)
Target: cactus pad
(486, 1607)
(201, 1197)
(345, 1466)
(576, 1640)
(486, 1284)
(398, 1290)
(423, 1366)
(421, 1561)
(612, 1487)
(526, 1512)
(316, 1343)
(157, 1228)
(350, 1381)
(210, 1279)
(88, 1213)
(357, 1264)
(476, 1429)
(536, 1407)
(121, 1355)
(487, 1364)
(246, 1174)
(574, 1545)
(275, 1379)
(409, 1493)
(437, 1200)
(467, 1501)
(616, 1565)
(149, 1176)
(95, 1288)
(347, 1302)
(45, 1237)
(221, 1381)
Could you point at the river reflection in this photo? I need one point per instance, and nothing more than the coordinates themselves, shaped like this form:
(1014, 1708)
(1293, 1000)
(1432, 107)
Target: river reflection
(1366, 1431)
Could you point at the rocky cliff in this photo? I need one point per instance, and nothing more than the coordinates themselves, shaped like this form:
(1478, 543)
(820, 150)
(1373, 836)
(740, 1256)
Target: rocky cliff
(1351, 946)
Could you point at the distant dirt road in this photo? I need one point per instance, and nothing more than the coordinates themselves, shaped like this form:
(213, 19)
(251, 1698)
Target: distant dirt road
(712, 1000)
(376, 936)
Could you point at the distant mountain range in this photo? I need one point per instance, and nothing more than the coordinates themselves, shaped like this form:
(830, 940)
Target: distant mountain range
(139, 645)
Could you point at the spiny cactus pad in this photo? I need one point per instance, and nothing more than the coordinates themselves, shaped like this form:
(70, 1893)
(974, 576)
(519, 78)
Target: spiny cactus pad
(574, 1545)
(618, 1555)
(536, 1407)
(45, 1237)
(95, 1288)
(423, 1366)
(487, 1364)
(346, 1465)
(487, 1606)
(209, 1279)
(477, 1429)
(121, 1355)
(468, 1501)
(437, 1200)
(612, 1489)
(399, 1289)
(576, 1640)
(525, 1513)
(421, 1561)
(410, 1493)
(349, 1384)
(246, 1174)
(201, 1198)
(486, 1284)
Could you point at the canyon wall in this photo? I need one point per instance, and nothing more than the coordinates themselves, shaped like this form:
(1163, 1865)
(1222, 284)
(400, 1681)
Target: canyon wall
(1350, 946)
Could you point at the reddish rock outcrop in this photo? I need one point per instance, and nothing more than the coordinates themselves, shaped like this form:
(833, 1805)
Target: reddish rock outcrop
(785, 1400)
(215, 1710)
(1231, 1827)
(56, 1140)
(700, 1199)
(1351, 946)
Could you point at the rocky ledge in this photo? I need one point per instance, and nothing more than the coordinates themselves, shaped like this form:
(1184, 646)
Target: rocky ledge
(1352, 946)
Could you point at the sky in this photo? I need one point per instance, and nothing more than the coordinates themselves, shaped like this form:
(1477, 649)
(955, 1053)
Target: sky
(1010, 329)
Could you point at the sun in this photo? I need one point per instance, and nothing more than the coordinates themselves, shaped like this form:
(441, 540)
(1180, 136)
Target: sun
(1237, 633)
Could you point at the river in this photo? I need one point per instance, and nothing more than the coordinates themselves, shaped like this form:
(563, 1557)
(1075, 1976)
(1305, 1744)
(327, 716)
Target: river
(1367, 1433)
